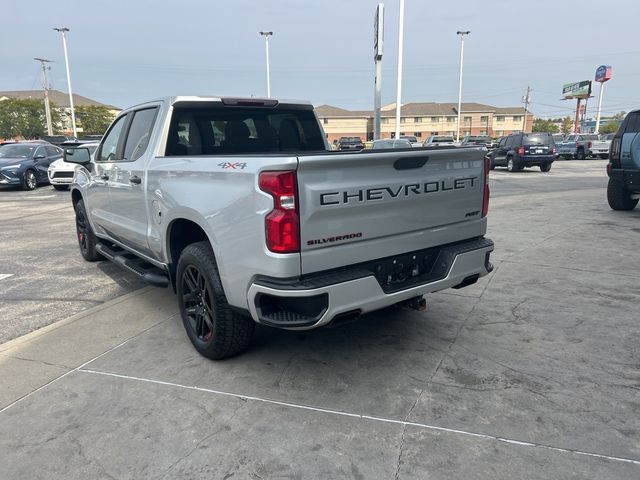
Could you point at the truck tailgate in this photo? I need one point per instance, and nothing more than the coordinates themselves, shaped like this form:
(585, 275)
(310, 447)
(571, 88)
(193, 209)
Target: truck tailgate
(368, 205)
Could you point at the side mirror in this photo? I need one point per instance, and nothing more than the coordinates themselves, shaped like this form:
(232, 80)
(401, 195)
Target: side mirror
(38, 157)
(81, 156)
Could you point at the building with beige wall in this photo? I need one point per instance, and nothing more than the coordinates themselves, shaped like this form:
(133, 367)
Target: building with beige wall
(424, 120)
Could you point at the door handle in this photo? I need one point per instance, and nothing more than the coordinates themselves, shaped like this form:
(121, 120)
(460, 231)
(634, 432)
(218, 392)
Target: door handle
(135, 179)
(104, 177)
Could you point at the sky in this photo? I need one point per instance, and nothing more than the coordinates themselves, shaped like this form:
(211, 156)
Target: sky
(123, 52)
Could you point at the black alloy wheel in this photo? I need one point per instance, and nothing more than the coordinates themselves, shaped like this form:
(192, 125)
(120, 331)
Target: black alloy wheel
(29, 181)
(197, 299)
(86, 237)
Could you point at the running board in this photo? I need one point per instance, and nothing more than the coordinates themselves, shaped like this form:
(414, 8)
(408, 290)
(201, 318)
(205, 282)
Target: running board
(147, 272)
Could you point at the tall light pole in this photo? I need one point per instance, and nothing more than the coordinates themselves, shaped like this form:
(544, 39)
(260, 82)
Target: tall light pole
(462, 34)
(399, 83)
(63, 31)
(266, 36)
(45, 87)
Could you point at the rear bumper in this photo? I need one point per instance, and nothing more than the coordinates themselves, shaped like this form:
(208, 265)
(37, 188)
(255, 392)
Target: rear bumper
(302, 304)
(530, 161)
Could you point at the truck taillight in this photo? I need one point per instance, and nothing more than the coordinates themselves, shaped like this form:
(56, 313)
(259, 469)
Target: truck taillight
(589, 144)
(520, 150)
(487, 192)
(282, 224)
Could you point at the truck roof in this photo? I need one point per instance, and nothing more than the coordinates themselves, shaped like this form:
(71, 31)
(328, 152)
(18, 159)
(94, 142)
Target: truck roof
(171, 100)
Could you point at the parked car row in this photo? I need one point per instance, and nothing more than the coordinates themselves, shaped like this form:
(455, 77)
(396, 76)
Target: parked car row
(33, 163)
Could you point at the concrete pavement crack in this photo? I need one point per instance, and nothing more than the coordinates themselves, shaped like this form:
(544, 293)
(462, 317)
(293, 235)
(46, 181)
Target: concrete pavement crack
(207, 437)
(430, 381)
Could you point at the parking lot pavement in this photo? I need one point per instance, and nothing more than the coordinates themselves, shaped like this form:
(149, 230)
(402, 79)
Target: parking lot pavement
(43, 278)
(531, 373)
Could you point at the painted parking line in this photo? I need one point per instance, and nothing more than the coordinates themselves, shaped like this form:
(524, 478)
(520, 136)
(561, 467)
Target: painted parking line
(405, 423)
(5, 275)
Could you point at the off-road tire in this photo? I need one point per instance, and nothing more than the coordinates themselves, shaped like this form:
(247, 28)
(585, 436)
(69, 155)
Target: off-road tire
(29, 180)
(545, 167)
(618, 197)
(61, 187)
(86, 238)
(215, 330)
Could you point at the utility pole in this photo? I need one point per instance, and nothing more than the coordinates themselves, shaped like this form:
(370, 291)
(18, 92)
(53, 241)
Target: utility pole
(45, 86)
(526, 99)
(63, 31)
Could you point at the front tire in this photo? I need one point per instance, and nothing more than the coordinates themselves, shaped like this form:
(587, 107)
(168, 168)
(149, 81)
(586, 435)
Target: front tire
(29, 180)
(580, 154)
(215, 330)
(618, 197)
(86, 238)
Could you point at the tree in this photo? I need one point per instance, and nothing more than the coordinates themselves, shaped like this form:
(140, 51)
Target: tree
(610, 127)
(620, 115)
(22, 118)
(541, 125)
(567, 126)
(94, 119)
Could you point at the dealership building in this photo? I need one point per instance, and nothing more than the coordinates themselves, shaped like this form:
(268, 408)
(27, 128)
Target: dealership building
(424, 120)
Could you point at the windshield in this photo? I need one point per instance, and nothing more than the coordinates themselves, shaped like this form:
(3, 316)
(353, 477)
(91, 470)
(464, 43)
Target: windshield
(411, 139)
(22, 151)
(477, 139)
(590, 137)
(442, 139)
(350, 139)
(538, 140)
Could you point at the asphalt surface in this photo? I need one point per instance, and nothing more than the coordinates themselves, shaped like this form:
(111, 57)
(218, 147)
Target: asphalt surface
(43, 278)
(532, 373)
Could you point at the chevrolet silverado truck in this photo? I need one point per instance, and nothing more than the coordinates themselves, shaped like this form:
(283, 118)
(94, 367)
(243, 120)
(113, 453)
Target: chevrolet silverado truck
(239, 205)
(581, 146)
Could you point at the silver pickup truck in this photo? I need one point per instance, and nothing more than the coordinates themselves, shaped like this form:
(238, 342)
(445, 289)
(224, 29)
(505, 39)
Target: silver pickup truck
(239, 205)
(581, 146)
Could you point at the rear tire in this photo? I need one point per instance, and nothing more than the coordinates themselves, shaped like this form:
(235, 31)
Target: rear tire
(215, 330)
(618, 197)
(545, 167)
(86, 238)
(61, 187)
(512, 165)
(29, 180)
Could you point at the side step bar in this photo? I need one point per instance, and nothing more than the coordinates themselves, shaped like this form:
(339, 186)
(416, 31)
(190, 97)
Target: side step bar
(147, 272)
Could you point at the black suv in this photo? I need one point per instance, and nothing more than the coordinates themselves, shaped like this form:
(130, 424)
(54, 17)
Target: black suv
(623, 190)
(520, 150)
(350, 143)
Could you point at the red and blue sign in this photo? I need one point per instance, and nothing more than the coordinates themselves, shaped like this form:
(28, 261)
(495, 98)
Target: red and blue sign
(603, 73)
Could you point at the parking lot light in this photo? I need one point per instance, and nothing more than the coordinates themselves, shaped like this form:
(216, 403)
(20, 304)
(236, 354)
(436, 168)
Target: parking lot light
(63, 31)
(462, 34)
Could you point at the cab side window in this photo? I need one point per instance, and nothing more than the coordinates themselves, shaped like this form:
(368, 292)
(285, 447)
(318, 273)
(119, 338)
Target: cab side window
(40, 152)
(109, 150)
(139, 133)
